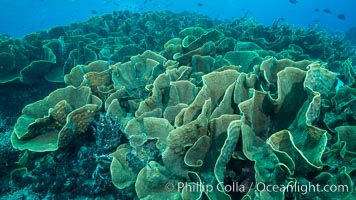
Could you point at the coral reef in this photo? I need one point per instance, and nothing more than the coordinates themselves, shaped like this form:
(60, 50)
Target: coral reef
(53, 122)
(194, 107)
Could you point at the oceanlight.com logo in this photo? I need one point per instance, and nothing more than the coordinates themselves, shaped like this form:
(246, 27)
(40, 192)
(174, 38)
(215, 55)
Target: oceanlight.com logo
(260, 187)
(302, 188)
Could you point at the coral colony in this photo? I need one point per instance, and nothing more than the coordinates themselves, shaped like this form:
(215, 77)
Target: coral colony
(170, 106)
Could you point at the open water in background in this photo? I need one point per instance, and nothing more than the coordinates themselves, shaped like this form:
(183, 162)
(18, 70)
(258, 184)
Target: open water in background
(21, 17)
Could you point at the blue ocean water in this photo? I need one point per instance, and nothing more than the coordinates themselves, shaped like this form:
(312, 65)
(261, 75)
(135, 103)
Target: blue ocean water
(22, 17)
(99, 109)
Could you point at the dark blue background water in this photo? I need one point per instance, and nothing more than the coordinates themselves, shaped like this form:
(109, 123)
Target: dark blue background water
(19, 17)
